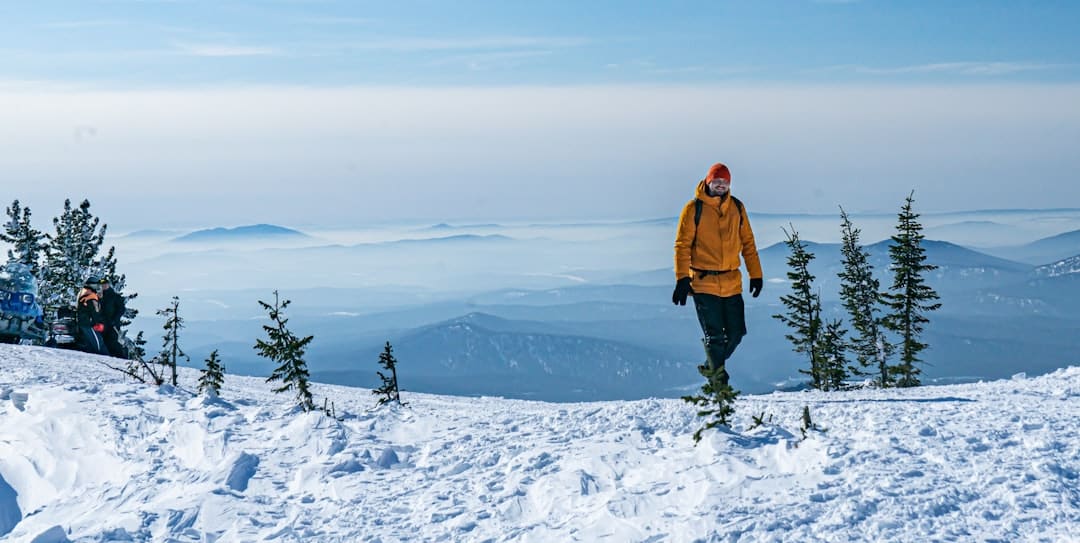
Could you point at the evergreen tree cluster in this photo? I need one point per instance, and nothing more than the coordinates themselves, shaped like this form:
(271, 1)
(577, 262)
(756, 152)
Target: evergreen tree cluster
(63, 260)
(872, 314)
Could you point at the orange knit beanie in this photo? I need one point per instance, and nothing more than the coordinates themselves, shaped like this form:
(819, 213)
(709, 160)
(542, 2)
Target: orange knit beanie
(718, 171)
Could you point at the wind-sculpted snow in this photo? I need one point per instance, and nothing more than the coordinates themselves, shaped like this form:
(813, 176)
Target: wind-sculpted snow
(93, 457)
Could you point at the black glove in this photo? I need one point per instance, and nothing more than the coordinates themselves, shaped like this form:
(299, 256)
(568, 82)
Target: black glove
(682, 289)
(755, 286)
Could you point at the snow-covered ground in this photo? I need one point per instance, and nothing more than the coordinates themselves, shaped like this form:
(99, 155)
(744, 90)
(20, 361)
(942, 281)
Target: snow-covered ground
(86, 455)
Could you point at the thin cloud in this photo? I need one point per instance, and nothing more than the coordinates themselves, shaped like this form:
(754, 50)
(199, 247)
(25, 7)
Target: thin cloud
(339, 20)
(706, 70)
(959, 68)
(449, 44)
(65, 25)
(217, 50)
(495, 60)
(648, 66)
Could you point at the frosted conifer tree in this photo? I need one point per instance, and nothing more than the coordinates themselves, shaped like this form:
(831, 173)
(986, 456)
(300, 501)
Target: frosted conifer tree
(71, 255)
(27, 244)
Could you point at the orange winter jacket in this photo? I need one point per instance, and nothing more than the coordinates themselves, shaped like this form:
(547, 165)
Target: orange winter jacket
(712, 260)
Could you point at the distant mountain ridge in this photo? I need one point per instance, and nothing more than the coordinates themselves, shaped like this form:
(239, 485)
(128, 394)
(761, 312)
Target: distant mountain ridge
(480, 354)
(240, 233)
(1043, 251)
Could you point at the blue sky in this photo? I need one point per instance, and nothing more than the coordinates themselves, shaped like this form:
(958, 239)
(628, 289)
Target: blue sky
(155, 43)
(309, 103)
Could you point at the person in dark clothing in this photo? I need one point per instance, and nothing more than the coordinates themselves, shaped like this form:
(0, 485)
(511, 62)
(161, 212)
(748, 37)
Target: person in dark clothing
(112, 310)
(88, 319)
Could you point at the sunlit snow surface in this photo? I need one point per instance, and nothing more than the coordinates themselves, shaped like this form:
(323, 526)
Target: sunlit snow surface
(86, 455)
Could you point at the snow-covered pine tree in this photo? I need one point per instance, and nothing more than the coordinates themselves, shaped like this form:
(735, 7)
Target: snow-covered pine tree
(909, 298)
(285, 348)
(860, 293)
(389, 389)
(27, 244)
(70, 256)
(212, 376)
(804, 308)
(170, 347)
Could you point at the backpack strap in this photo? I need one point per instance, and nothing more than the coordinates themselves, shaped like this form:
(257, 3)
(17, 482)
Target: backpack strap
(697, 218)
(697, 210)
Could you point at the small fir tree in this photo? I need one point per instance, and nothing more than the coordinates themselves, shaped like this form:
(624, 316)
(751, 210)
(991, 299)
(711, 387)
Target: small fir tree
(389, 389)
(860, 293)
(213, 376)
(831, 349)
(804, 308)
(716, 400)
(171, 352)
(137, 365)
(285, 348)
(28, 244)
(909, 298)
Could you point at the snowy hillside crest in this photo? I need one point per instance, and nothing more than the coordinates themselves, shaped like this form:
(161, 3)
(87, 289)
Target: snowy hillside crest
(86, 455)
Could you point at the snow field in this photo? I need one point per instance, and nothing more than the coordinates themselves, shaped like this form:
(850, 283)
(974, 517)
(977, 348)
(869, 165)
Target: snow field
(88, 456)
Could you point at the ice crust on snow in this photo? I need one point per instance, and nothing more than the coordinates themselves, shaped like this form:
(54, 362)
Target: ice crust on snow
(91, 456)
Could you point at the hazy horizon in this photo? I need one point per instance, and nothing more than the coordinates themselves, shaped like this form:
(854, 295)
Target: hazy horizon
(188, 113)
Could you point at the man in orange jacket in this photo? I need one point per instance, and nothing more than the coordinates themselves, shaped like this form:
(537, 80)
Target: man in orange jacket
(714, 229)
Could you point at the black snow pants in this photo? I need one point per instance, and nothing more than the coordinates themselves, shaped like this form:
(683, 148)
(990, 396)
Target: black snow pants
(723, 321)
(112, 343)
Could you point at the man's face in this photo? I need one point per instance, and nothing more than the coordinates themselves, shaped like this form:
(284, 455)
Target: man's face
(719, 186)
(104, 287)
